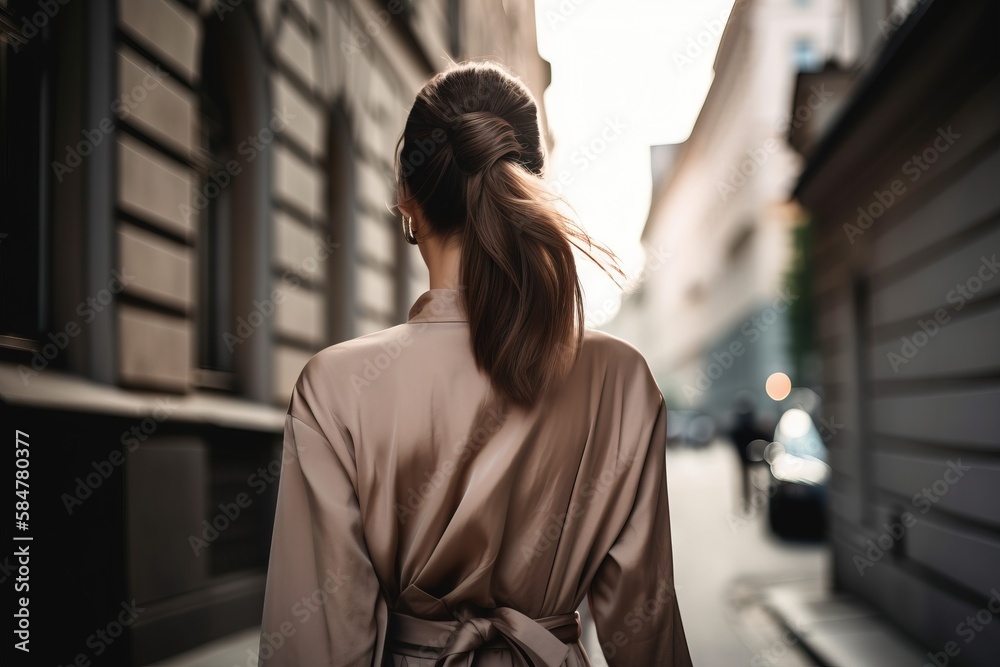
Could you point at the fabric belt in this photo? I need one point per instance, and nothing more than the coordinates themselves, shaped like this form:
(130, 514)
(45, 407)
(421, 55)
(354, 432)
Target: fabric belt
(534, 642)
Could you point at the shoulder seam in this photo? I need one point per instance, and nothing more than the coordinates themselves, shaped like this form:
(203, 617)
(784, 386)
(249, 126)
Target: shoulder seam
(345, 432)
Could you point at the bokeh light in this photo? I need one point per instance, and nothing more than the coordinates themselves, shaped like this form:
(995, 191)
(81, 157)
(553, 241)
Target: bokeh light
(778, 386)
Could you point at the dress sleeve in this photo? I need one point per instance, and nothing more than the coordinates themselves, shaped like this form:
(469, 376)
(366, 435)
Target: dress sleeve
(322, 602)
(632, 597)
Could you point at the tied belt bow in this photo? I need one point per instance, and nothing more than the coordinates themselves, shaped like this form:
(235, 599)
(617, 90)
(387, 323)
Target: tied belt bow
(540, 642)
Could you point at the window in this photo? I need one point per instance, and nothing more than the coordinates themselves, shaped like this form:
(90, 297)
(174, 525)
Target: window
(862, 394)
(805, 56)
(24, 176)
(233, 199)
(341, 204)
(216, 312)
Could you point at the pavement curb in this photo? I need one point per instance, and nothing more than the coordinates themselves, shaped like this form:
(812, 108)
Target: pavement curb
(839, 629)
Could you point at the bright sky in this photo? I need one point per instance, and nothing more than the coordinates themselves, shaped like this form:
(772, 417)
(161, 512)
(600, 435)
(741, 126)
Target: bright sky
(626, 75)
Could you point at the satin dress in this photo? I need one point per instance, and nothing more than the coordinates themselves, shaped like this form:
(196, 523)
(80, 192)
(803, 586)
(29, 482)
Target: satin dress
(420, 521)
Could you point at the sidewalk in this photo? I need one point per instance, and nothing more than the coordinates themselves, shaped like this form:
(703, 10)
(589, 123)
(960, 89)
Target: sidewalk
(839, 629)
(236, 650)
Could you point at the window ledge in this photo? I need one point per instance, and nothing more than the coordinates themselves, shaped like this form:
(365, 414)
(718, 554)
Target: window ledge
(61, 391)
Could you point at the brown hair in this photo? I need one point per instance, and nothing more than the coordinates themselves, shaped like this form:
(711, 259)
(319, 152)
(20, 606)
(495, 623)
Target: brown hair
(472, 159)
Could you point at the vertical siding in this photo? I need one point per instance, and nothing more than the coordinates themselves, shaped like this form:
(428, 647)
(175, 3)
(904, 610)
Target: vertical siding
(924, 366)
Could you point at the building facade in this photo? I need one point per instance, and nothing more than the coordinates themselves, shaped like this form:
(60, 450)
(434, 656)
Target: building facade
(713, 318)
(196, 202)
(902, 191)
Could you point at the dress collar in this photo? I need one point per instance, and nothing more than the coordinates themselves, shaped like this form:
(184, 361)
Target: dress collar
(439, 304)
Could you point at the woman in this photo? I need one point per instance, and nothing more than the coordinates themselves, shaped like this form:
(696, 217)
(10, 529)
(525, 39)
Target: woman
(454, 486)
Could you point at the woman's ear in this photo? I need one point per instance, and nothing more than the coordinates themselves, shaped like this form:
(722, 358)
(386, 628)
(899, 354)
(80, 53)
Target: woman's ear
(403, 203)
(410, 209)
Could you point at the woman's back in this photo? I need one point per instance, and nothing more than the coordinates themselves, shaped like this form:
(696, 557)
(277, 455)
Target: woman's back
(410, 494)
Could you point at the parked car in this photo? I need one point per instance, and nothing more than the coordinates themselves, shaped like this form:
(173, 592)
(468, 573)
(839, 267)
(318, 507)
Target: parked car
(799, 477)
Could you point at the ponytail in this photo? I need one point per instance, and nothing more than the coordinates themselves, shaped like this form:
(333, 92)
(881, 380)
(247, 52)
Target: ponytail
(517, 269)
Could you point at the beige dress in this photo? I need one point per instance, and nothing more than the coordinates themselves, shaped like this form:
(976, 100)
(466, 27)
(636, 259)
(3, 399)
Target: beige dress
(421, 522)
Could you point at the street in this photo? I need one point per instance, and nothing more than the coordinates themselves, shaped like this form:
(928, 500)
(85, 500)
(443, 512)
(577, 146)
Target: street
(722, 556)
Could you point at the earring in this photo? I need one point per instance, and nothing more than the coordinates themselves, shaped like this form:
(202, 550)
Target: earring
(408, 231)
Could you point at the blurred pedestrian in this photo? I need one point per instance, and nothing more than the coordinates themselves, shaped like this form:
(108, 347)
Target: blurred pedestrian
(744, 431)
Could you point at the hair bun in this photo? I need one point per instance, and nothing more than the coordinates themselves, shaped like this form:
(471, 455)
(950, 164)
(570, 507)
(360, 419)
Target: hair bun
(479, 139)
